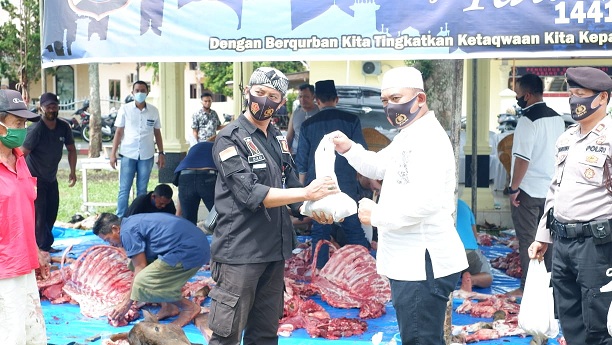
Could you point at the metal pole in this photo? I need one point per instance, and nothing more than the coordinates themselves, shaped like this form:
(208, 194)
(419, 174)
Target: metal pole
(43, 75)
(474, 165)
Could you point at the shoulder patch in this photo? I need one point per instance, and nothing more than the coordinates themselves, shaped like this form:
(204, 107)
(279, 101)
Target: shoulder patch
(228, 153)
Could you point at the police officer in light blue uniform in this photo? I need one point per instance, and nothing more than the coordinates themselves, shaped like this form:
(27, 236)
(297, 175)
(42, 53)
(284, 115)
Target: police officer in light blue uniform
(578, 212)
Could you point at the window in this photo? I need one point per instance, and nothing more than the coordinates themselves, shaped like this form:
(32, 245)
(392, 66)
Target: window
(193, 91)
(114, 89)
(193, 66)
(64, 87)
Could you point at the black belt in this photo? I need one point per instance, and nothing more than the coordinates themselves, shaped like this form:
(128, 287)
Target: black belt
(199, 172)
(577, 230)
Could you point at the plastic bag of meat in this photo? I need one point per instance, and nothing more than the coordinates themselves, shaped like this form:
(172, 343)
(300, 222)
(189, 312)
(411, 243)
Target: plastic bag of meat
(339, 205)
(536, 316)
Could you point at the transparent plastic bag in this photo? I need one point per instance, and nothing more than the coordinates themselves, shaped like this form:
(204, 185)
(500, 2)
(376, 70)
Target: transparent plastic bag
(339, 205)
(537, 315)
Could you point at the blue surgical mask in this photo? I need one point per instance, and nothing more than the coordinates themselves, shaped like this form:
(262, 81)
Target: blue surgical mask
(140, 97)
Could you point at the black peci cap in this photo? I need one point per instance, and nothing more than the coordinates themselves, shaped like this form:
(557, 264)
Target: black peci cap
(325, 87)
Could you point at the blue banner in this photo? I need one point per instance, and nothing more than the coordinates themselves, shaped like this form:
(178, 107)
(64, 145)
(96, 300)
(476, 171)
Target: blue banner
(82, 31)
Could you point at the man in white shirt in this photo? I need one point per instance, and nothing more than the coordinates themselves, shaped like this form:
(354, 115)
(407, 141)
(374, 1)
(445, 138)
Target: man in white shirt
(533, 165)
(138, 130)
(419, 249)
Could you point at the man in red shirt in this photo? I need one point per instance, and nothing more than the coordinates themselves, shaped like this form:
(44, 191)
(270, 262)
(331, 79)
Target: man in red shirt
(23, 322)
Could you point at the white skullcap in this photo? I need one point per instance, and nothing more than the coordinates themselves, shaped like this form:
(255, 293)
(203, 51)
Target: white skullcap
(402, 77)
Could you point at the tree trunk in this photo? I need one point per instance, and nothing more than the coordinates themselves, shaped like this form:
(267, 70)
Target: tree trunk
(444, 87)
(95, 141)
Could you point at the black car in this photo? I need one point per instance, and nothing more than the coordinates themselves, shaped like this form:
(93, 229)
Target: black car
(364, 101)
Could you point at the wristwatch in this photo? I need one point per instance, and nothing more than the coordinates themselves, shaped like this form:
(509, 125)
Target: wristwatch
(512, 191)
(161, 153)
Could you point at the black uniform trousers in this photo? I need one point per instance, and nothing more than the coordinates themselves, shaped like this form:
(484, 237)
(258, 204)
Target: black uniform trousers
(249, 297)
(578, 272)
(46, 206)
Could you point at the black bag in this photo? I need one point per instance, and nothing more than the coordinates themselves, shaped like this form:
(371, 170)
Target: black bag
(211, 220)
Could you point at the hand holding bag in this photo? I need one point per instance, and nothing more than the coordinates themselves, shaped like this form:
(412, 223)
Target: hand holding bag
(537, 316)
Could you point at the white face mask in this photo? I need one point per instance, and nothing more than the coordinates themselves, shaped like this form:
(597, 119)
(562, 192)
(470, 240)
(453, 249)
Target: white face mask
(140, 97)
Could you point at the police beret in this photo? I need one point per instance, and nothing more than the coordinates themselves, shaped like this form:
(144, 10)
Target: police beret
(325, 87)
(588, 78)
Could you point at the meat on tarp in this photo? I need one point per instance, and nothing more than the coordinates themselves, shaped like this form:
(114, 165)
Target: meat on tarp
(349, 280)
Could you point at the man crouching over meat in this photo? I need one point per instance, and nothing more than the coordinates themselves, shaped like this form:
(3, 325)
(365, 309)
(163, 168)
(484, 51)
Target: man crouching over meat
(419, 249)
(165, 252)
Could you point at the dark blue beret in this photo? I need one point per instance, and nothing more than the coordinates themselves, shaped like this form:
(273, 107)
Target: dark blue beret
(588, 78)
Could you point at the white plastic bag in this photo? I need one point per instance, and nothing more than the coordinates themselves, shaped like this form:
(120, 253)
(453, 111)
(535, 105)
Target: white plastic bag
(339, 205)
(610, 319)
(537, 315)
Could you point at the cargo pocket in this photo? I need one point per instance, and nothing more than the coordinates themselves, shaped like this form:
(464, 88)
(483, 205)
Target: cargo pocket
(597, 307)
(222, 311)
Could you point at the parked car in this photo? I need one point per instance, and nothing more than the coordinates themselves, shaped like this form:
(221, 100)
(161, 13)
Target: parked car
(364, 101)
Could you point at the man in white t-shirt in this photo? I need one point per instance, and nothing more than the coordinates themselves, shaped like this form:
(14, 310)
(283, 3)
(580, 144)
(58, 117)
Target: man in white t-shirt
(533, 165)
(138, 130)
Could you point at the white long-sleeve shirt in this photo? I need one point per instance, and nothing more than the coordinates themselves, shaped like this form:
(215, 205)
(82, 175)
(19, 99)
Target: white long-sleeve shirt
(414, 211)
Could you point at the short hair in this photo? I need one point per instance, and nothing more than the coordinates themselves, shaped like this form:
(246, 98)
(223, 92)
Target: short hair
(531, 83)
(3, 115)
(326, 97)
(140, 82)
(305, 86)
(206, 94)
(104, 223)
(163, 190)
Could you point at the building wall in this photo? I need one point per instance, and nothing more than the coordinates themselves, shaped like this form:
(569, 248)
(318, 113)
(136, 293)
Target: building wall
(349, 72)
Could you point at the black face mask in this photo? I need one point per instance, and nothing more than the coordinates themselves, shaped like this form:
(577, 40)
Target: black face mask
(261, 107)
(581, 107)
(400, 115)
(521, 102)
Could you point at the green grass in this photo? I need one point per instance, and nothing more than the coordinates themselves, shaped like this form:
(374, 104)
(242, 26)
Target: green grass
(103, 186)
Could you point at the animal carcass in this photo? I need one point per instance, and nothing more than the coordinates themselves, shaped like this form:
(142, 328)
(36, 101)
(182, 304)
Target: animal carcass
(349, 280)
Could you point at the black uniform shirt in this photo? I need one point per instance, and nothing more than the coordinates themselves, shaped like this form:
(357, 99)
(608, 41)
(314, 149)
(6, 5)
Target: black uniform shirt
(249, 164)
(143, 204)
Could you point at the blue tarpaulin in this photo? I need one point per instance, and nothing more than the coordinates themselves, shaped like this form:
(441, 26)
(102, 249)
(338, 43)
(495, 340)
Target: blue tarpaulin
(65, 323)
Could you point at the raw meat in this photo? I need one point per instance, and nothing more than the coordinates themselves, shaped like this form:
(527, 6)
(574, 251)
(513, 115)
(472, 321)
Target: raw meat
(349, 280)
(511, 263)
(98, 280)
(299, 313)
